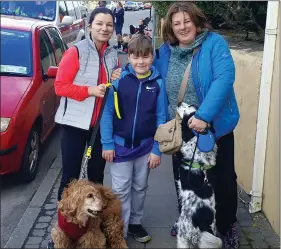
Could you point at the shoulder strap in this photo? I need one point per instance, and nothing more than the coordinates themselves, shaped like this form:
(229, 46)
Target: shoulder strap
(185, 79)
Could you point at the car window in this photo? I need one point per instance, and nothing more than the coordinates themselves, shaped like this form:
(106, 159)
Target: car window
(77, 10)
(62, 10)
(45, 10)
(70, 8)
(16, 52)
(58, 43)
(46, 52)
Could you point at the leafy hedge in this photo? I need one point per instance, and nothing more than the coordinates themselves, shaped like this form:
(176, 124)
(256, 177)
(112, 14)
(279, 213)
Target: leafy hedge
(244, 16)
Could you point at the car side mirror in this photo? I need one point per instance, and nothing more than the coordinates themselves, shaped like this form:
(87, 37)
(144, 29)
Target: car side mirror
(67, 20)
(52, 72)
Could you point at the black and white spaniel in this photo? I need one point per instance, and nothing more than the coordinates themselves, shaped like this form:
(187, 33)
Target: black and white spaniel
(196, 224)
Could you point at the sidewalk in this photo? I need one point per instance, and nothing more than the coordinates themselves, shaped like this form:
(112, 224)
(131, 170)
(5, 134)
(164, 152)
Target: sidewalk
(160, 213)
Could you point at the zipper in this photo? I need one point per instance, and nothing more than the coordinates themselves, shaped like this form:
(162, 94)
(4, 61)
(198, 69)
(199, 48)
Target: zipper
(106, 69)
(135, 117)
(229, 104)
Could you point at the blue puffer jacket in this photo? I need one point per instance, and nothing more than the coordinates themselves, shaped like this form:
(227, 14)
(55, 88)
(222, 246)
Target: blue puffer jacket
(213, 74)
(142, 110)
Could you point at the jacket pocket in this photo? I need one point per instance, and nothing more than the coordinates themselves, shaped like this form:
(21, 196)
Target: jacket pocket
(75, 108)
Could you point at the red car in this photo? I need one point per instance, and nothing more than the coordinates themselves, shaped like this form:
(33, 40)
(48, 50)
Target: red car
(30, 53)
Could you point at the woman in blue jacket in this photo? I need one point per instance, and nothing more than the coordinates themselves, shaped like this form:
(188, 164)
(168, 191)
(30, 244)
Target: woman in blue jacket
(210, 86)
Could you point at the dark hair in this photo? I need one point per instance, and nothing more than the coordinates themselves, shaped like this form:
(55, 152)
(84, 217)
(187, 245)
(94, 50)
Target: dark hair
(99, 10)
(120, 4)
(196, 15)
(140, 45)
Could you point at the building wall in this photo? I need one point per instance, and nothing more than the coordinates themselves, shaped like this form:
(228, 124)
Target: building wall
(271, 191)
(247, 84)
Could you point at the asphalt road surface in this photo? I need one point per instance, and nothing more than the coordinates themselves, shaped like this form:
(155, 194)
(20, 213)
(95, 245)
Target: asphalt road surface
(16, 197)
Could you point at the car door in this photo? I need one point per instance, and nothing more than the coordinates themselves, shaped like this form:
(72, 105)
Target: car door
(66, 30)
(48, 100)
(80, 22)
(74, 29)
(60, 47)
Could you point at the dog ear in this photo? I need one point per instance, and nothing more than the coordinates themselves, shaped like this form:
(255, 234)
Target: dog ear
(106, 194)
(187, 133)
(70, 200)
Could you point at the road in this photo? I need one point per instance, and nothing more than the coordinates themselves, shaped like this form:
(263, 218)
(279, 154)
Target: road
(16, 197)
(133, 17)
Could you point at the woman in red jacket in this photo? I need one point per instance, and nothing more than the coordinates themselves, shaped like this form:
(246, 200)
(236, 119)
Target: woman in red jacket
(83, 72)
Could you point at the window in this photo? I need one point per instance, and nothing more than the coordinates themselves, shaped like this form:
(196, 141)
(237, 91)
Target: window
(70, 8)
(62, 10)
(77, 10)
(46, 52)
(16, 52)
(44, 10)
(59, 45)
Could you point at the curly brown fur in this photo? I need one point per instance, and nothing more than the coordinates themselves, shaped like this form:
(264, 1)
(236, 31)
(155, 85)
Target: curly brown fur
(87, 204)
(111, 220)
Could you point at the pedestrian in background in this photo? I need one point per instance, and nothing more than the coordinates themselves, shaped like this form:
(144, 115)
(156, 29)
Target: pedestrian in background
(119, 21)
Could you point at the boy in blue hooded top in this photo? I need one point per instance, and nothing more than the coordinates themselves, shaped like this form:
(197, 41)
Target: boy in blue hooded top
(127, 134)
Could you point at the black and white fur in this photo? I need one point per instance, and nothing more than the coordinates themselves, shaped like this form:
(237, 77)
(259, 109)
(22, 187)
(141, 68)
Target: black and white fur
(196, 224)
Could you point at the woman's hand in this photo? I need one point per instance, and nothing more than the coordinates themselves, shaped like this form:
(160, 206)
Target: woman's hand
(108, 155)
(153, 161)
(197, 124)
(116, 74)
(97, 91)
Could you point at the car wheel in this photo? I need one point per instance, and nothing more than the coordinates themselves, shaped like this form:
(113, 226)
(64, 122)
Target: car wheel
(29, 165)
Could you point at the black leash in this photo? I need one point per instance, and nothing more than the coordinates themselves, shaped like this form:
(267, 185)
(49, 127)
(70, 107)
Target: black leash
(84, 173)
(190, 167)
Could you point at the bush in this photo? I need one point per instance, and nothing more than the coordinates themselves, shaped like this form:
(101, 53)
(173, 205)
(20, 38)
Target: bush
(244, 16)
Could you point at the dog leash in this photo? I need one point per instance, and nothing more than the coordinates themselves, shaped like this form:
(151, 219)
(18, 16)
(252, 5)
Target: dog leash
(190, 167)
(87, 156)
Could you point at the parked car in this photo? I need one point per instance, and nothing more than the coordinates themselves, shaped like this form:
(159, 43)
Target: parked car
(147, 5)
(111, 6)
(131, 6)
(31, 50)
(141, 5)
(68, 16)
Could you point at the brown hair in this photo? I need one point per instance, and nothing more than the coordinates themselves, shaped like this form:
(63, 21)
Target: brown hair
(140, 45)
(196, 15)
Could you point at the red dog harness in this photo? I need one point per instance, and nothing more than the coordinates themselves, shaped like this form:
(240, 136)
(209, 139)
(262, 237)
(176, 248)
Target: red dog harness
(72, 230)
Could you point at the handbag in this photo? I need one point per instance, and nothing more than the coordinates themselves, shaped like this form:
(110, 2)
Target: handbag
(169, 135)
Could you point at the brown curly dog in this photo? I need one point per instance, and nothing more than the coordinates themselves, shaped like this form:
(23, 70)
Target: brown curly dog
(89, 216)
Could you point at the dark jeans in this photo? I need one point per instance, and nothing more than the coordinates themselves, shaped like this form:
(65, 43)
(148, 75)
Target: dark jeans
(223, 178)
(73, 142)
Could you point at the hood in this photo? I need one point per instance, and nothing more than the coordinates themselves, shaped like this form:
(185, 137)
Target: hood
(154, 72)
(12, 91)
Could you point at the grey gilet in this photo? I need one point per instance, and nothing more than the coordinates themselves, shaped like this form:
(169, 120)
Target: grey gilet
(79, 113)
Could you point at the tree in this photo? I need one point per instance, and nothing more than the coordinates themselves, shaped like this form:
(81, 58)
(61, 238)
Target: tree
(243, 16)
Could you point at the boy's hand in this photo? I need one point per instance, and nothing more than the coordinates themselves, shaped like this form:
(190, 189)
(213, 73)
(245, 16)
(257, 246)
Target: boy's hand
(108, 155)
(153, 161)
(116, 74)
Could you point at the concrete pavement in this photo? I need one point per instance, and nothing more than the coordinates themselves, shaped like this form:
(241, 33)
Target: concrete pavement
(34, 229)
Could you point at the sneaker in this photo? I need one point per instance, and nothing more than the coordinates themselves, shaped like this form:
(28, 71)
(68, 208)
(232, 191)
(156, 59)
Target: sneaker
(50, 244)
(231, 239)
(174, 230)
(139, 233)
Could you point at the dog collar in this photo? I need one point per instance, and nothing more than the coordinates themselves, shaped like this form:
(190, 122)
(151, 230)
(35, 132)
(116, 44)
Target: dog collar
(74, 231)
(198, 166)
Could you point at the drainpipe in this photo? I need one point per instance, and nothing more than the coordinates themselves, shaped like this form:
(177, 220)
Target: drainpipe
(271, 32)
